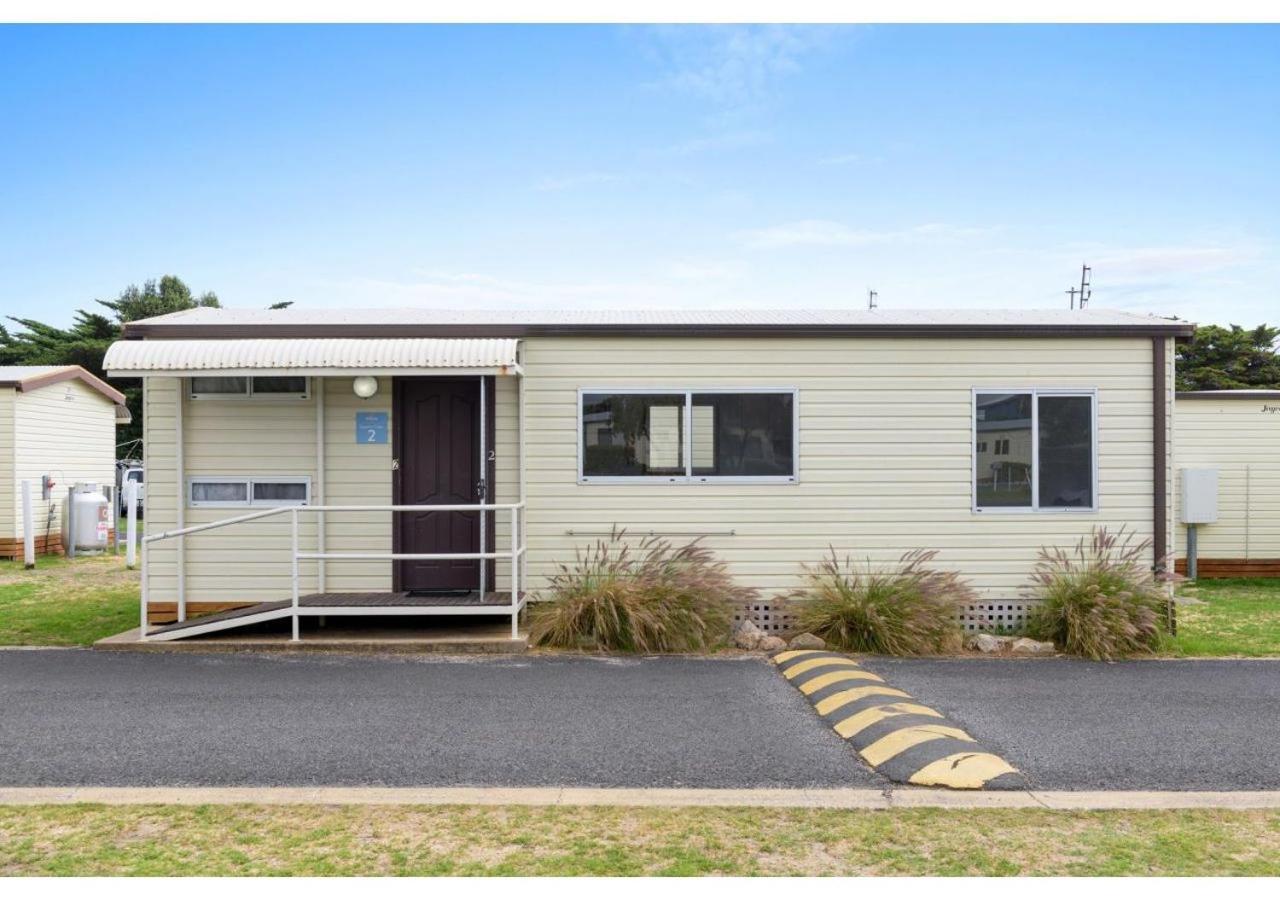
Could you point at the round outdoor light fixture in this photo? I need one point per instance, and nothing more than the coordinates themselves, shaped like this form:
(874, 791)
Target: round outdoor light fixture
(365, 386)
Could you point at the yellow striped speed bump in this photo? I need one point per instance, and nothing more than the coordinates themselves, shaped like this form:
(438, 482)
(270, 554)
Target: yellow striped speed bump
(904, 740)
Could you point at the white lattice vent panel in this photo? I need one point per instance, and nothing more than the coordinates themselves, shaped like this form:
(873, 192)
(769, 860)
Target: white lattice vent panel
(768, 616)
(996, 615)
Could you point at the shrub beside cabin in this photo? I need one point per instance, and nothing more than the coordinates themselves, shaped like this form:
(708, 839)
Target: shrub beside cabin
(772, 435)
(58, 421)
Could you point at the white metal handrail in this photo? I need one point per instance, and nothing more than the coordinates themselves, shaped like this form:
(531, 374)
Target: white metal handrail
(297, 554)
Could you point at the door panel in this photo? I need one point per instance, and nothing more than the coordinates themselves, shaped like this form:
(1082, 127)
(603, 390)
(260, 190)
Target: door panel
(438, 432)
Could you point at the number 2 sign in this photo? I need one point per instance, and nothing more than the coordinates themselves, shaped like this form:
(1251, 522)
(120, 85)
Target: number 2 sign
(371, 428)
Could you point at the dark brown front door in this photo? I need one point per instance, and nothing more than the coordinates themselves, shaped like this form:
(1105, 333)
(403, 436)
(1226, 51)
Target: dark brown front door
(437, 435)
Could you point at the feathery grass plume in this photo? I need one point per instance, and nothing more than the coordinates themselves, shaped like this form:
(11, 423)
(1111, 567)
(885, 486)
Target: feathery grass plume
(1102, 601)
(908, 610)
(652, 597)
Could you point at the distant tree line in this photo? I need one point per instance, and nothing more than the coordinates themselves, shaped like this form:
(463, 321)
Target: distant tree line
(85, 342)
(1229, 358)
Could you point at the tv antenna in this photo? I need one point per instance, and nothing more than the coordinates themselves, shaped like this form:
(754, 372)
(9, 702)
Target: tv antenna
(871, 298)
(1085, 291)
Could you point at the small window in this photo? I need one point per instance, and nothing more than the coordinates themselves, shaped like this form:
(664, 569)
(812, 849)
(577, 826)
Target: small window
(1043, 453)
(242, 386)
(743, 435)
(267, 490)
(689, 435)
(219, 386)
(135, 475)
(630, 435)
(288, 384)
(211, 492)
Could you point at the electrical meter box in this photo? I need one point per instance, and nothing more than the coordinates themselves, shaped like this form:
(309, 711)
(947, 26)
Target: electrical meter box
(1199, 496)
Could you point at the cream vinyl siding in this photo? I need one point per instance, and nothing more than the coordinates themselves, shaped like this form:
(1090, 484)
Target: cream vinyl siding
(885, 460)
(10, 492)
(885, 450)
(67, 430)
(277, 436)
(1243, 442)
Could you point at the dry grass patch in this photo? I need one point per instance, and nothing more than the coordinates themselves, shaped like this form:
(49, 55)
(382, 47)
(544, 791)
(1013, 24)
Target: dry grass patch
(454, 840)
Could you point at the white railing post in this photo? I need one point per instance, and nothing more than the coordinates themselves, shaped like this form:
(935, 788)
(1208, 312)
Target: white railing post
(131, 523)
(515, 572)
(294, 524)
(28, 528)
(142, 631)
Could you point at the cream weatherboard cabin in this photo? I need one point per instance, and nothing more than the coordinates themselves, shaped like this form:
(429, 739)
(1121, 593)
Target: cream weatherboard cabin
(1235, 435)
(304, 463)
(55, 421)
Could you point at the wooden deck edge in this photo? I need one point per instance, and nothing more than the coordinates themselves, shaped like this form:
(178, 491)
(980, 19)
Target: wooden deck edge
(1226, 567)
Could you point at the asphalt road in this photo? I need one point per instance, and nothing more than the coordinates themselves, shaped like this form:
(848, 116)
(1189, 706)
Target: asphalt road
(1137, 725)
(79, 717)
(76, 717)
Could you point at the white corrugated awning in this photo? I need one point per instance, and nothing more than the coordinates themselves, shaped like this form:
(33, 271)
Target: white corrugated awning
(313, 356)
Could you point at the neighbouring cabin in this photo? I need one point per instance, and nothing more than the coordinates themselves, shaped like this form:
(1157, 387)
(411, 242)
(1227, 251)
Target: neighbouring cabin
(771, 436)
(55, 421)
(1236, 435)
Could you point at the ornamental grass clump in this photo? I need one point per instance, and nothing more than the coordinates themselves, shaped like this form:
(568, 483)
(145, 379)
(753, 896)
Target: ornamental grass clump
(911, 609)
(1102, 601)
(647, 597)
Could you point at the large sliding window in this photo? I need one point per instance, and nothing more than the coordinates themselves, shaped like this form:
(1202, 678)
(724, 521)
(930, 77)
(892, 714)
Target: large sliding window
(1034, 450)
(683, 436)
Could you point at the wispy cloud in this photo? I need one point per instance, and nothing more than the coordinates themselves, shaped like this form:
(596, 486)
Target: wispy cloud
(827, 233)
(731, 65)
(704, 270)
(734, 140)
(575, 180)
(843, 159)
(1144, 262)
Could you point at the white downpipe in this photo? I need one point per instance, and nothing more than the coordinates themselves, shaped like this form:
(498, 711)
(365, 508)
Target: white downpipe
(131, 523)
(28, 529)
(180, 464)
(293, 518)
(484, 471)
(524, 516)
(319, 486)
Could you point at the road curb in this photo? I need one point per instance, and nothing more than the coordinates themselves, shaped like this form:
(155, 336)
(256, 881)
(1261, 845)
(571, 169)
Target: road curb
(674, 798)
(901, 738)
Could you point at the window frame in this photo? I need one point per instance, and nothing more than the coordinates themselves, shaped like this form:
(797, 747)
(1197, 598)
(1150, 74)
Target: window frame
(248, 481)
(248, 393)
(1035, 508)
(687, 449)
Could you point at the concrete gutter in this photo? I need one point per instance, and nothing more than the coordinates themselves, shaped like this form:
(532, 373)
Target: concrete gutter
(835, 798)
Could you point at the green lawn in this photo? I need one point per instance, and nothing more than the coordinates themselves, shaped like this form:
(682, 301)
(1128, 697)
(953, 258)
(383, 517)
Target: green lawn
(1235, 617)
(454, 840)
(66, 602)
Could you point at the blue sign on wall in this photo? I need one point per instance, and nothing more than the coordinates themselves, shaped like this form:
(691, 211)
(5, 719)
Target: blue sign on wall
(371, 428)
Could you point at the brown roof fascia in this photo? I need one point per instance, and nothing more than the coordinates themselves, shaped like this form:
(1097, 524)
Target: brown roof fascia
(66, 373)
(389, 330)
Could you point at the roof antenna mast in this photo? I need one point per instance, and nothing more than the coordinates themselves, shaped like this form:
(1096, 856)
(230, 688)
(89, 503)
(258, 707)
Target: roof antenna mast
(1085, 291)
(871, 298)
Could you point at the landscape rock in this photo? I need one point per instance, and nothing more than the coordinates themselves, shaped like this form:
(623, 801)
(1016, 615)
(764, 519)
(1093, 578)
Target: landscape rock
(747, 635)
(807, 641)
(1034, 648)
(772, 644)
(989, 643)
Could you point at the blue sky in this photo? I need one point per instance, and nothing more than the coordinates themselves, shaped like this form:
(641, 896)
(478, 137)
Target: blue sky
(644, 167)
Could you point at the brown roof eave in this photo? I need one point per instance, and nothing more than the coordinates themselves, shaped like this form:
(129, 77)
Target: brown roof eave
(67, 373)
(388, 330)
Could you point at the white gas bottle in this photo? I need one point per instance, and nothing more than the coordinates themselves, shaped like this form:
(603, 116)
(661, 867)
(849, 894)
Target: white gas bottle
(91, 520)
